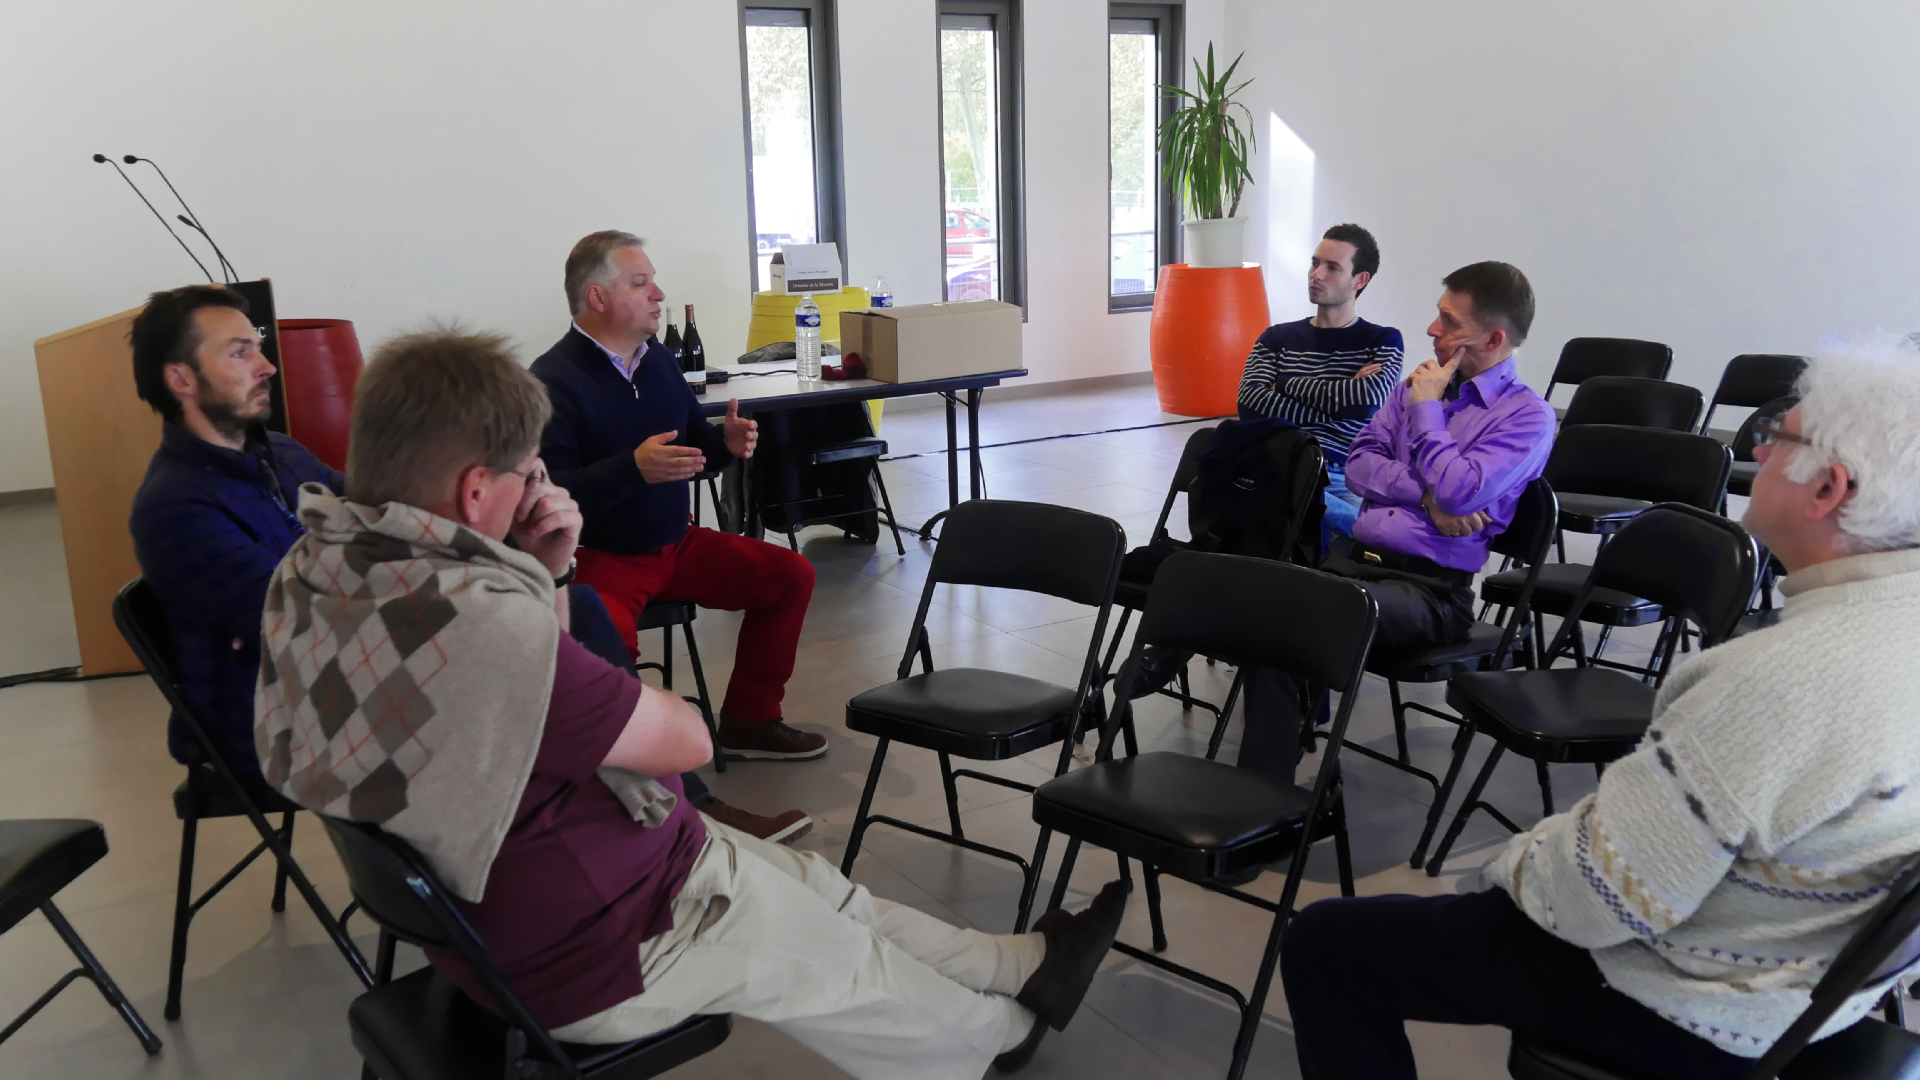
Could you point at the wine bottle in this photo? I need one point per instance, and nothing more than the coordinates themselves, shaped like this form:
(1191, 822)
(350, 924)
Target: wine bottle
(672, 340)
(693, 356)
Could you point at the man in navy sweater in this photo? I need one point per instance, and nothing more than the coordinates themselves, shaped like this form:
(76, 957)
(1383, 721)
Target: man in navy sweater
(214, 514)
(1329, 373)
(627, 436)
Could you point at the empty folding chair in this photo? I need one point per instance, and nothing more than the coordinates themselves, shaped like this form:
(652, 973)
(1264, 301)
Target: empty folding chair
(422, 1027)
(1604, 475)
(1872, 1049)
(992, 715)
(1489, 645)
(212, 790)
(1691, 563)
(1634, 402)
(1582, 358)
(1202, 820)
(1753, 379)
(38, 858)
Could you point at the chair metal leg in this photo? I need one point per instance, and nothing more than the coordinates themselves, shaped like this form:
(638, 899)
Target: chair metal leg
(953, 796)
(793, 540)
(280, 869)
(1546, 788)
(1399, 721)
(1031, 885)
(666, 657)
(1257, 1001)
(1342, 849)
(1059, 896)
(1226, 711)
(886, 504)
(383, 958)
(866, 805)
(705, 702)
(1466, 810)
(1130, 738)
(1462, 740)
(182, 915)
(1148, 871)
(1113, 643)
(91, 970)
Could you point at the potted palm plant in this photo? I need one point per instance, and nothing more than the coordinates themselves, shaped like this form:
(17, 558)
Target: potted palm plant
(1206, 153)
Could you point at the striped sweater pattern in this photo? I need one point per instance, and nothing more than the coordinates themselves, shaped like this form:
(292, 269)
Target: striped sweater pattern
(1719, 869)
(1304, 374)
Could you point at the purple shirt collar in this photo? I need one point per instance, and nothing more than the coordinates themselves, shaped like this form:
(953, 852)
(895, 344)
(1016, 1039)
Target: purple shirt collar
(624, 365)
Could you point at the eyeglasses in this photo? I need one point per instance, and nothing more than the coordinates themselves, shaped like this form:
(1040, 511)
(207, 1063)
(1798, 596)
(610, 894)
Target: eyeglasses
(1769, 429)
(534, 475)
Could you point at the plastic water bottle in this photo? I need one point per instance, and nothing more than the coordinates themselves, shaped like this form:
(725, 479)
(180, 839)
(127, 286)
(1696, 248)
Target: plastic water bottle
(806, 340)
(882, 296)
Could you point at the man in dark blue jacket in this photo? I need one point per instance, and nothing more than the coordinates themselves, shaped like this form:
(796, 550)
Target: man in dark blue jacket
(215, 513)
(626, 438)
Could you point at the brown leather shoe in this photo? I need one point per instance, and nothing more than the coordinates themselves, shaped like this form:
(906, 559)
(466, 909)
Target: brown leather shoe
(779, 829)
(772, 741)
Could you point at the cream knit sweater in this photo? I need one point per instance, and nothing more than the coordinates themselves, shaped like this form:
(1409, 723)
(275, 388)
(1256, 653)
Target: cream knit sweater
(1718, 869)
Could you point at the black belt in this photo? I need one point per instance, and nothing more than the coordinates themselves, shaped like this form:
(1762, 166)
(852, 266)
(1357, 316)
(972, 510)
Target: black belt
(1410, 564)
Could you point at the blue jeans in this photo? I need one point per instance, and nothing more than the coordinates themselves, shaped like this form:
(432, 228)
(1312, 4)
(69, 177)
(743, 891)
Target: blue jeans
(1343, 507)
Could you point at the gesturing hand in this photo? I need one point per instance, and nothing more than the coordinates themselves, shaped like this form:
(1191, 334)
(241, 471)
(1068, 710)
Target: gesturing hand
(1430, 379)
(1451, 524)
(546, 524)
(742, 435)
(661, 462)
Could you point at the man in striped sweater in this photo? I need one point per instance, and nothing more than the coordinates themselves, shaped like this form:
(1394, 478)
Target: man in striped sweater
(1332, 372)
(1675, 921)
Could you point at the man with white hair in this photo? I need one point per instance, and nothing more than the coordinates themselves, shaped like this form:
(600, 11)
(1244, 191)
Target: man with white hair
(1675, 921)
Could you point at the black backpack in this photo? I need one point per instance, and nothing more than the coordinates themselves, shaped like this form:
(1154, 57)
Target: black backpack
(1257, 491)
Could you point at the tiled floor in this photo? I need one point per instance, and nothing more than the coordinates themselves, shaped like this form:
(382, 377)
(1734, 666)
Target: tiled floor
(266, 995)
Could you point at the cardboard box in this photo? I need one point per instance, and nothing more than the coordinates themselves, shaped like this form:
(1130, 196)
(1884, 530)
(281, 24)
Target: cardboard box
(934, 341)
(807, 268)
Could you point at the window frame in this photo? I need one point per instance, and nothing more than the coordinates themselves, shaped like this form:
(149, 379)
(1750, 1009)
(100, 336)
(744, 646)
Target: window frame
(829, 193)
(1010, 127)
(1169, 19)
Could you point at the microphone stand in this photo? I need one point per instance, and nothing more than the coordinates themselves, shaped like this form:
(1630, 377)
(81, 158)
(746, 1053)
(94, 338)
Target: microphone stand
(156, 214)
(227, 271)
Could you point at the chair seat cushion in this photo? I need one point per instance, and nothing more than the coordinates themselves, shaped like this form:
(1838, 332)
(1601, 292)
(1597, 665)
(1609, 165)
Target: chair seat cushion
(1437, 663)
(1740, 480)
(1869, 1050)
(216, 798)
(1187, 815)
(1563, 714)
(1553, 595)
(1597, 513)
(421, 1027)
(39, 857)
(869, 446)
(665, 613)
(986, 715)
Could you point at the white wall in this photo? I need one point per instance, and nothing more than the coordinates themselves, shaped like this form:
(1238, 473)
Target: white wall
(1725, 176)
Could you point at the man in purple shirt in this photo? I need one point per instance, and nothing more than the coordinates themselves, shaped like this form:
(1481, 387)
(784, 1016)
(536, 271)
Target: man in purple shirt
(1440, 469)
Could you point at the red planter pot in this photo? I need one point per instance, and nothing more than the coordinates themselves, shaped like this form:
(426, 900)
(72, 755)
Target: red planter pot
(319, 364)
(1205, 320)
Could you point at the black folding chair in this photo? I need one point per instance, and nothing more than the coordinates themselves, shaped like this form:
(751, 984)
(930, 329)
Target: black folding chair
(664, 615)
(1634, 402)
(800, 513)
(1753, 379)
(1604, 475)
(422, 1027)
(993, 715)
(1872, 1049)
(1582, 358)
(38, 858)
(1693, 564)
(1489, 645)
(1202, 820)
(213, 790)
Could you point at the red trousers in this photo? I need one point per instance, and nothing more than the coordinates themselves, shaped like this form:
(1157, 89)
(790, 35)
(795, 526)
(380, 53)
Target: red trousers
(773, 585)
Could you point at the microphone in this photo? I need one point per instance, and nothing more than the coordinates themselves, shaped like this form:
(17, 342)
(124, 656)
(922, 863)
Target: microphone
(156, 214)
(191, 218)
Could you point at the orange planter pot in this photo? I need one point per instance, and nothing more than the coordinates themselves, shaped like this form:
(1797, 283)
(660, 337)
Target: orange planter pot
(319, 363)
(1205, 320)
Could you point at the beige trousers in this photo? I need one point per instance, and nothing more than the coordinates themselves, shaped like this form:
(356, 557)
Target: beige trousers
(877, 988)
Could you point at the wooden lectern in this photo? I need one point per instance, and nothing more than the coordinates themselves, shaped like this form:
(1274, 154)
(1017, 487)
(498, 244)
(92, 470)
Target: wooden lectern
(101, 436)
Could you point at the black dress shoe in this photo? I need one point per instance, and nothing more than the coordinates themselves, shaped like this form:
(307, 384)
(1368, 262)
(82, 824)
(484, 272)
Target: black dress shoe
(1158, 667)
(1023, 1053)
(1075, 946)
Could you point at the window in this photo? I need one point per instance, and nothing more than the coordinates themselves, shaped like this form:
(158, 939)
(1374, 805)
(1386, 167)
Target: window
(980, 150)
(793, 155)
(1143, 52)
